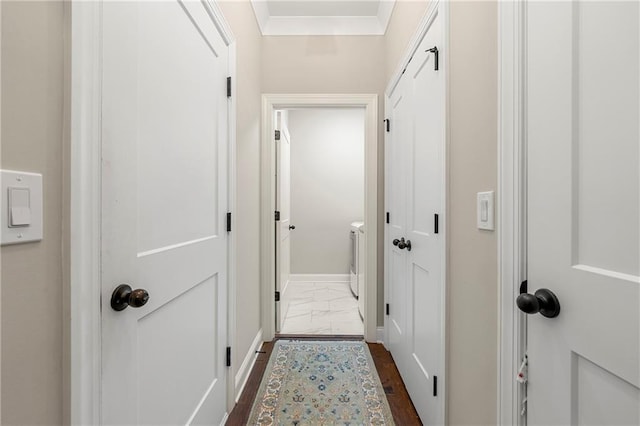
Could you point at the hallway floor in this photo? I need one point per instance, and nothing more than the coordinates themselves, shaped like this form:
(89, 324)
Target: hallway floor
(322, 308)
(401, 406)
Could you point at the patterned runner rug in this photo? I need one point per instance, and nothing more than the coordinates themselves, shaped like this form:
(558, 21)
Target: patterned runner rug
(320, 383)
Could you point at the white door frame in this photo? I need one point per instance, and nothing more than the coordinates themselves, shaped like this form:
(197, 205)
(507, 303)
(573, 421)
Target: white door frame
(84, 351)
(512, 202)
(270, 103)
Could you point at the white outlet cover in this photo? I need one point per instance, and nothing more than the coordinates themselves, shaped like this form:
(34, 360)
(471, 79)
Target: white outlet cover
(485, 211)
(32, 182)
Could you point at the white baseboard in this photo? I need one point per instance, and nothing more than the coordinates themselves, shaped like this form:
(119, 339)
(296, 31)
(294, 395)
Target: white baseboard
(224, 419)
(315, 278)
(380, 335)
(247, 365)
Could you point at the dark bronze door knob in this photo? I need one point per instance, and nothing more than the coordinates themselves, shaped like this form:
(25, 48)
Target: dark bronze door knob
(291, 227)
(543, 301)
(404, 244)
(124, 296)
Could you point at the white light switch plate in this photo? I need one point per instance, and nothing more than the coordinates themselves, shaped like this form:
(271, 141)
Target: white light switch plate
(485, 211)
(26, 214)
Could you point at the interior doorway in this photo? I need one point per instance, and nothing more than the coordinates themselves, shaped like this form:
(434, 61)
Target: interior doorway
(270, 104)
(320, 230)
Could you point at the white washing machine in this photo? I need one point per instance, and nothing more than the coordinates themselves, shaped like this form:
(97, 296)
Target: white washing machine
(354, 236)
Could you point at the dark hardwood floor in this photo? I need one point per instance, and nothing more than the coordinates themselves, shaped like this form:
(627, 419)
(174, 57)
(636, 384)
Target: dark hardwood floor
(401, 406)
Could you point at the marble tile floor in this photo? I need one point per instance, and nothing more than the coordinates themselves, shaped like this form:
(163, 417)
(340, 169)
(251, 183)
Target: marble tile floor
(321, 308)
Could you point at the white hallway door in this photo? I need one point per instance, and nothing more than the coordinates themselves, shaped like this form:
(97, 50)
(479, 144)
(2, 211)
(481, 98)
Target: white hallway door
(164, 198)
(415, 176)
(583, 211)
(283, 206)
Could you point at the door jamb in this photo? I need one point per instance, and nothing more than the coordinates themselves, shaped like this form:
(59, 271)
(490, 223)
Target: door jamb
(84, 350)
(271, 102)
(511, 214)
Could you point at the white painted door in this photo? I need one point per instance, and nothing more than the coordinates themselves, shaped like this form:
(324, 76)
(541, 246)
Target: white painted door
(415, 178)
(583, 211)
(283, 205)
(164, 200)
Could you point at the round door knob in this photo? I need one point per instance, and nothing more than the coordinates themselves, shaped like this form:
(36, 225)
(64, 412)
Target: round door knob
(543, 301)
(404, 244)
(292, 227)
(396, 242)
(124, 296)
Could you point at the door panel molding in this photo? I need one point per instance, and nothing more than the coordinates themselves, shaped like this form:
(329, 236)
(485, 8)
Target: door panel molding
(270, 103)
(511, 214)
(82, 353)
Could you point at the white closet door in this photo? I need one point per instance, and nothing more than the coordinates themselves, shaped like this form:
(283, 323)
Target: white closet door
(415, 182)
(164, 199)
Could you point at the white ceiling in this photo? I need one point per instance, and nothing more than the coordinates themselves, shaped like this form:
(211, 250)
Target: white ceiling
(323, 17)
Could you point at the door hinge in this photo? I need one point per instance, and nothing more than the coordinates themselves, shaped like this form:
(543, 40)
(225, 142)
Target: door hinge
(277, 296)
(228, 221)
(387, 309)
(277, 215)
(228, 356)
(436, 54)
(436, 223)
(277, 135)
(387, 217)
(228, 87)
(435, 385)
(388, 124)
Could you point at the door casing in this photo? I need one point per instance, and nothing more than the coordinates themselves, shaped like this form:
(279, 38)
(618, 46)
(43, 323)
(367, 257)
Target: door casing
(511, 208)
(270, 103)
(82, 350)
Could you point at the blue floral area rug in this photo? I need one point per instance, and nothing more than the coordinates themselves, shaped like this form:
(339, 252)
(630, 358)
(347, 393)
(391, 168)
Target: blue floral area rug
(320, 383)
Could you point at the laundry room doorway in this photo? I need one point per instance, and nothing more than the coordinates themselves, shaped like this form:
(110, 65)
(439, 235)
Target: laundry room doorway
(319, 221)
(319, 183)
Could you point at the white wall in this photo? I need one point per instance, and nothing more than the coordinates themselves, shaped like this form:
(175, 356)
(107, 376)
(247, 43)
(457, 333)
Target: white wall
(327, 187)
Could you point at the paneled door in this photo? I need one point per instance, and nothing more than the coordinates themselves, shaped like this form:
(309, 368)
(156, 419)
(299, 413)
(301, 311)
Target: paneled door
(582, 135)
(164, 200)
(415, 233)
(283, 226)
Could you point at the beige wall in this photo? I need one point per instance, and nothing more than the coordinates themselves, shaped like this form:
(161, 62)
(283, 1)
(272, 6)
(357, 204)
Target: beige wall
(247, 217)
(473, 268)
(32, 140)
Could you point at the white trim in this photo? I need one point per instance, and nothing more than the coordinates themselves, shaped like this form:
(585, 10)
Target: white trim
(85, 204)
(511, 209)
(85, 211)
(0, 164)
(245, 368)
(380, 335)
(271, 102)
(224, 419)
(435, 8)
(323, 25)
(318, 278)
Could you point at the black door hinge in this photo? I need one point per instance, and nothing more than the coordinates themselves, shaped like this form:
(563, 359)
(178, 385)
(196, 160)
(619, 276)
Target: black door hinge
(387, 217)
(277, 135)
(387, 309)
(436, 223)
(436, 54)
(229, 222)
(435, 385)
(228, 356)
(228, 87)
(277, 296)
(277, 215)
(388, 124)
